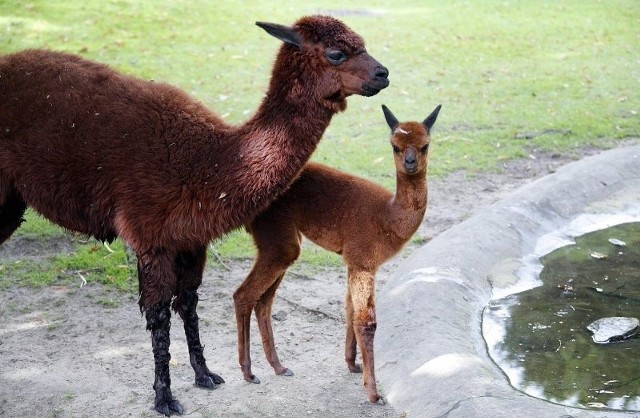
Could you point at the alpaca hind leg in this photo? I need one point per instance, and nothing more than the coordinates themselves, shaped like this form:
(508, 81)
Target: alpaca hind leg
(245, 299)
(12, 209)
(157, 285)
(263, 316)
(350, 346)
(278, 247)
(190, 270)
(362, 289)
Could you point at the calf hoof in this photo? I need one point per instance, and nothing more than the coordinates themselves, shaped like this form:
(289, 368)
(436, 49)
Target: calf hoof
(252, 379)
(165, 408)
(285, 372)
(355, 368)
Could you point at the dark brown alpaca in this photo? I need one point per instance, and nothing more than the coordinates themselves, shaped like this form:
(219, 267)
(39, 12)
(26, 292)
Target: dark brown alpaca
(345, 214)
(108, 155)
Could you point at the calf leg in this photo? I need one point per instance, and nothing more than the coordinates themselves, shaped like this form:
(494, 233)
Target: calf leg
(362, 289)
(190, 270)
(263, 316)
(278, 244)
(261, 278)
(157, 286)
(12, 209)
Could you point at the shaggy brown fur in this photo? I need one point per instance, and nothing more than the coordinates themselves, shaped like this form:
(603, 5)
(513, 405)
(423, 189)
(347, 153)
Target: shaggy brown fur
(345, 214)
(108, 155)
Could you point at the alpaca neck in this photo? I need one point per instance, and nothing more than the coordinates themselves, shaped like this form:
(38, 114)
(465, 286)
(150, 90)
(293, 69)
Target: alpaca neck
(291, 108)
(299, 124)
(280, 138)
(290, 132)
(408, 205)
(291, 111)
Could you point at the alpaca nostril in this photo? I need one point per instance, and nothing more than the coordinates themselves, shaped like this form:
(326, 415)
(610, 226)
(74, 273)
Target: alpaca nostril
(381, 72)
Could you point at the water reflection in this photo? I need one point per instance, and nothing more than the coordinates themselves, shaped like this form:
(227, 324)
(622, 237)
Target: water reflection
(540, 339)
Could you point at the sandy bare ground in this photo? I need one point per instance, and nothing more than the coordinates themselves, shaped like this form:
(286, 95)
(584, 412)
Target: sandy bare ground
(71, 351)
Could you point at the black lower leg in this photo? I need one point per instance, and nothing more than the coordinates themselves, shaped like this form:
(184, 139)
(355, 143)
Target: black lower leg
(158, 322)
(204, 377)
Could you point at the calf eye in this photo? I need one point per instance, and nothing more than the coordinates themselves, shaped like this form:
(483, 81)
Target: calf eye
(336, 57)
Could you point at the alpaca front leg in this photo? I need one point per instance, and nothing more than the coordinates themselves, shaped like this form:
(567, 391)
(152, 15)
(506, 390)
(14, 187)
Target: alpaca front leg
(362, 289)
(157, 283)
(159, 323)
(203, 376)
(350, 346)
(190, 267)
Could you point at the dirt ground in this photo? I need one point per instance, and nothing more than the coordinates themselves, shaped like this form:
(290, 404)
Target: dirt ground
(72, 351)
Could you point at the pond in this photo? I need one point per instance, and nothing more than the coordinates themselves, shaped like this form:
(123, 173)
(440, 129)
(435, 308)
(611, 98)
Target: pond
(539, 337)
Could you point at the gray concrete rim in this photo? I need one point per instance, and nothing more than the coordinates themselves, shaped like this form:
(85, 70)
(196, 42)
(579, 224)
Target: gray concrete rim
(430, 355)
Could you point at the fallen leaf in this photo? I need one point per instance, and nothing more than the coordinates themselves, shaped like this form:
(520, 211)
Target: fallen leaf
(617, 242)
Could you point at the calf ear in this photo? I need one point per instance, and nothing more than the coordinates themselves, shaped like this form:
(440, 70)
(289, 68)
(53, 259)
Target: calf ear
(391, 120)
(431, 119)
(284, 33)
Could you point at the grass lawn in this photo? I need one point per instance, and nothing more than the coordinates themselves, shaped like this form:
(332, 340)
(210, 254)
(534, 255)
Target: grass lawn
(504, 72)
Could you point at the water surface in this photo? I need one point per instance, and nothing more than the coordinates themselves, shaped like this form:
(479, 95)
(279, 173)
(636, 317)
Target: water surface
(539, 337)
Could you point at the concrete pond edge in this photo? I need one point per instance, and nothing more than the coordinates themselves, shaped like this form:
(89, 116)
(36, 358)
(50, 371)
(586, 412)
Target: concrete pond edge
(431, 359)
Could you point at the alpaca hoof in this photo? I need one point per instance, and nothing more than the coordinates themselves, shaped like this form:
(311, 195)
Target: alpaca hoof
(252, 379)
(356, 368)
(378, 400)
(209, 381)
(165, 408)
(217, 379)
(286, 372)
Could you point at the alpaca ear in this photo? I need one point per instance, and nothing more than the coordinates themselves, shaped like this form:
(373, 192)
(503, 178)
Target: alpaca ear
(431, 119)
(284, 33)
(391, 120)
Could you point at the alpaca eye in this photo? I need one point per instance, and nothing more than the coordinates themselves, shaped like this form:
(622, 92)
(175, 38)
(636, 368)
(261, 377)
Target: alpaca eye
(395, 149)
(424, 149)
(336, 57)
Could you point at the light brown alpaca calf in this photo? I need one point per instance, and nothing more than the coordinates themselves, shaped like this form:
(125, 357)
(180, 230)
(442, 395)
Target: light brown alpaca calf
(346, 214)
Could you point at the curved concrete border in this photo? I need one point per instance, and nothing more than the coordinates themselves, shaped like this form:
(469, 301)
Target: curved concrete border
(430, 354)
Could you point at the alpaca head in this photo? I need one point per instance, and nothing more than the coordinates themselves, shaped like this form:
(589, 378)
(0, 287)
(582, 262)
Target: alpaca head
(325, 61)
(410, 142)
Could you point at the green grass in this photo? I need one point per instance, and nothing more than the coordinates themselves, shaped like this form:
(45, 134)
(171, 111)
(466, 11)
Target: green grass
(94, 262)
(91, 262)
(498, 68)
(37, 226)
